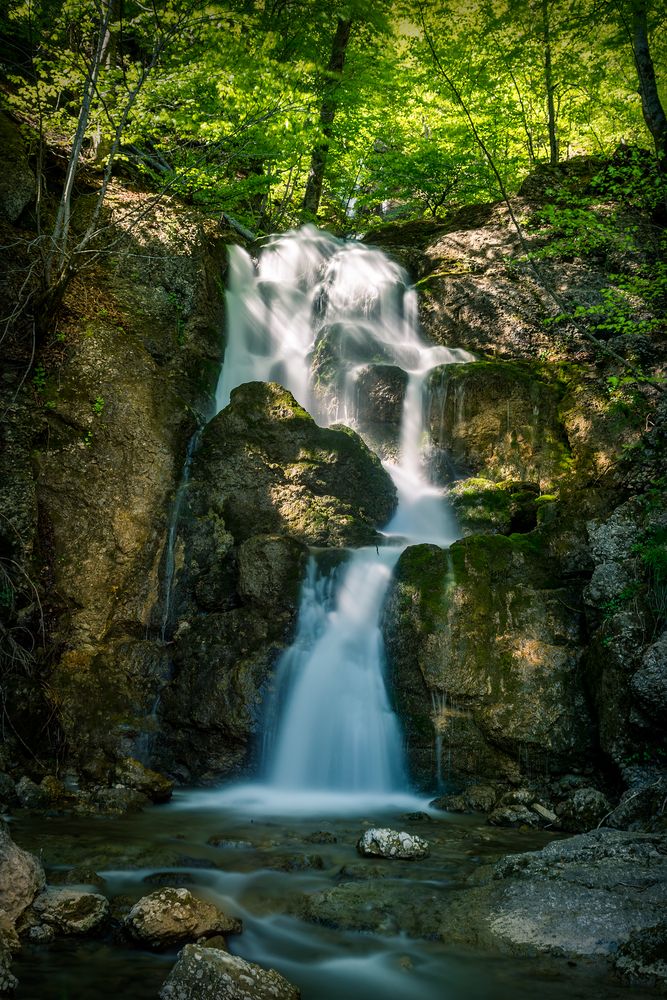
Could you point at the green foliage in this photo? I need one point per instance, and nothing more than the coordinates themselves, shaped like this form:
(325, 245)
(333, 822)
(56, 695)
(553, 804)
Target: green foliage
(98, 405)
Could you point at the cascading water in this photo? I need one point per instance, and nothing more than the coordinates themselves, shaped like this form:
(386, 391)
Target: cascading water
(331, 731)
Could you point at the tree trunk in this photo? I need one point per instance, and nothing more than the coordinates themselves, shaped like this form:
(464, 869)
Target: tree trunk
(549, 83)
(652, 109)
(318, 160)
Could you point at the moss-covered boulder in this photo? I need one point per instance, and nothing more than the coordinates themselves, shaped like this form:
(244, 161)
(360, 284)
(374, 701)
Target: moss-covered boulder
(499, 420)
(485, 507)
(272, 469)
(484, 645)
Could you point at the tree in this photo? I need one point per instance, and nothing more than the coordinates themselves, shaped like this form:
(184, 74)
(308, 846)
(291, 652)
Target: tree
(318, 161)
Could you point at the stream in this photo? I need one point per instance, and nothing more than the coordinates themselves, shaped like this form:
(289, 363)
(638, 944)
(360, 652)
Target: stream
(256, 871)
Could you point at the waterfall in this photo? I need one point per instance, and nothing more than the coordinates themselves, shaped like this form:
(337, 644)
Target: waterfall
(314, 300)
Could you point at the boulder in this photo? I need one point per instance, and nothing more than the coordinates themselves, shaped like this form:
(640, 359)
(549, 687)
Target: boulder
(71, 911)
(381, 842)
(513, 815)
(499, 420)
(169, 917)
(484, 649)
(211, 974)
(583, 810)
(133, 774)
(31, 795)
(584, 896)
(21, 877)
(271, 469)
(642, 958)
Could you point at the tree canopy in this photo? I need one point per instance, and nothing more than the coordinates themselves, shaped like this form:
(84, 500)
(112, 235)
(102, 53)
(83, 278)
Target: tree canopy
(228, 102)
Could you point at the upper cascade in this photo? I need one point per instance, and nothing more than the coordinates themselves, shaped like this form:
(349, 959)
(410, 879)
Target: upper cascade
(318, 305)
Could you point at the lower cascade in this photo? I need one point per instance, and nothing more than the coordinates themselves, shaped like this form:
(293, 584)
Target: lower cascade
(315, 314)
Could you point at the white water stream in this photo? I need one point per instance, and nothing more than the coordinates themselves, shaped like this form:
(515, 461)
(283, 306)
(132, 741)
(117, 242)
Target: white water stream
(334, 739)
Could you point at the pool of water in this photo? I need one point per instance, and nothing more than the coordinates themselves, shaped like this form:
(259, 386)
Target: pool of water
(262, 868)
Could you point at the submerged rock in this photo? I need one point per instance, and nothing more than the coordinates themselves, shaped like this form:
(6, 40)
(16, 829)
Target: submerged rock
(71, 911)
(211, 974)
(173, 916)
(381, 842)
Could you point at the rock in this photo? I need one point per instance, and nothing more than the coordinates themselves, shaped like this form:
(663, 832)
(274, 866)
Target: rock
(321, 837)
(172, 916)
(21, 877)
(649, 683)
(498, 420)
(211, 974)
(583, 810)
(8, 982)
(513, 815)
(71, 911)
(643, 957)
(476, 798)
(31, 795)
(41, 934)
(8, 796)
(545, 814)
(268, 465)
(299, 863)
(484, 649)
(583, 896)
(17, 181)
(119, 800)
(141, 779)
(381, 842)
(486, 507)
(377, 404)
(387, 906)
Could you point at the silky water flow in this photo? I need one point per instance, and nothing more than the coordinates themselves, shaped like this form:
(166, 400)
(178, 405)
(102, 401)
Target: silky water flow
(331, 739)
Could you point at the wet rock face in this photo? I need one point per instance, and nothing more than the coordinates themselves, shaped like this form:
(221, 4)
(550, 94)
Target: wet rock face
(137, 355)
(381, 842)
(484, 649)
(211, 974)
(172, 916)
(273, 470)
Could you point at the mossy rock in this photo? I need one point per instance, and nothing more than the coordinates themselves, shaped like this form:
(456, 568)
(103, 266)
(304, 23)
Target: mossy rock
(500, 420)
(486, 507)
(272, 470)
(484, 646)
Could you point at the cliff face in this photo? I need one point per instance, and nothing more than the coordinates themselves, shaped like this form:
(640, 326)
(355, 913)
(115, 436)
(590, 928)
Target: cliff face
(534, 648)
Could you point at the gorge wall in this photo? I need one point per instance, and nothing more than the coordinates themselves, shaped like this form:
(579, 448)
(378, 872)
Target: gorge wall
(533, 651)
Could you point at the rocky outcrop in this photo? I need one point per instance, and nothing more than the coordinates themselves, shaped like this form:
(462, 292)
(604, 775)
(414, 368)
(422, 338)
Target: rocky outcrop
(579, 897)
(484, 646)
(381, 842)
(211, 974)
(170, 917)
(266, 483)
